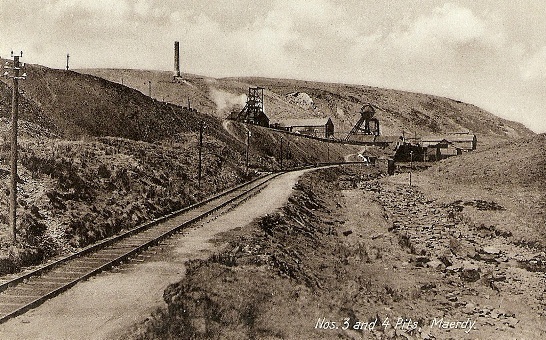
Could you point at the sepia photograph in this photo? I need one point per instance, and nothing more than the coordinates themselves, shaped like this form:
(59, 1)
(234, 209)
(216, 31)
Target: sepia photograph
(304, 169)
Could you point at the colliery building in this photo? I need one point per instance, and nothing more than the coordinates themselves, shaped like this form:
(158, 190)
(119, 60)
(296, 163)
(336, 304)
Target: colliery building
(440, 150)
(316, 127)
(443, 146)
(464, 141)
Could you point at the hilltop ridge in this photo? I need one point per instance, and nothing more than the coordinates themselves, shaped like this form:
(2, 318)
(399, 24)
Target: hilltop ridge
(398, 111)
(117, 103)
(72, 105)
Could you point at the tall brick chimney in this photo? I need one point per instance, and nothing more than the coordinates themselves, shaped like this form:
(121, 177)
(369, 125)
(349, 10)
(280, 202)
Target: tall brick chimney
(176, 59)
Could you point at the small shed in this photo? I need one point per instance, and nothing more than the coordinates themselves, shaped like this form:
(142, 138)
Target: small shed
(464, 141)
(317, 127)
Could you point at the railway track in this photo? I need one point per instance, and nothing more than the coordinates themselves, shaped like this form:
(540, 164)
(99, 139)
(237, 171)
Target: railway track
(27, 291)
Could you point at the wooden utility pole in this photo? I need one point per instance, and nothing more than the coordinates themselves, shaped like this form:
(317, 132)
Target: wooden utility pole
(67, 58)
(248, 134)
(201, 128)
(13, 153)
(281, 155)
(411, 166)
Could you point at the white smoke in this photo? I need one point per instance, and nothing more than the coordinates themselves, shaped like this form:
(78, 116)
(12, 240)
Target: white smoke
(226, 101)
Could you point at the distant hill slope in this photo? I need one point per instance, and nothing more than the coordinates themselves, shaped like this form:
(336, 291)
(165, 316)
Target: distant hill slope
(520, 163)
(511, 175)
(73, 104)
(398, 111)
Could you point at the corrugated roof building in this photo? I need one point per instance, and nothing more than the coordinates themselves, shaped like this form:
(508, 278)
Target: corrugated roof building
(463, 141)
(317, 127)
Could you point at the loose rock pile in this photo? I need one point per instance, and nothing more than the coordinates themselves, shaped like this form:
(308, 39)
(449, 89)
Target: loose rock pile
(476, 259)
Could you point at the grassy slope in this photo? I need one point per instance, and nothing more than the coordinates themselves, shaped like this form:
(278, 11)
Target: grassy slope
(80, 104)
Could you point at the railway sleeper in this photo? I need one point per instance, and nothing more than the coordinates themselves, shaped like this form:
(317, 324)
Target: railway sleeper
(48, 278)
(105, 255)
(69, 275)
(17, 299)
(82, 269)
(88, 261)
(45, 284)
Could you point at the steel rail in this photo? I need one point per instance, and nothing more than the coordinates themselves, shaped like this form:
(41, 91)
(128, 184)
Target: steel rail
(35, 287)
(38, 286)
(113, 239)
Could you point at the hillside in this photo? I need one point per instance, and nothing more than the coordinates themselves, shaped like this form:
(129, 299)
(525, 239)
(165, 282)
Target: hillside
(97, 157)
(398, 111)
(73, 105)
(520, 164)
(511, 175)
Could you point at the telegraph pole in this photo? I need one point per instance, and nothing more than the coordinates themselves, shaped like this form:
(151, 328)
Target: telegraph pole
(13, 152)
(248, 134)
(411, 166)
(67, 58)
(201, 128)
(149, 88)
(281, 155)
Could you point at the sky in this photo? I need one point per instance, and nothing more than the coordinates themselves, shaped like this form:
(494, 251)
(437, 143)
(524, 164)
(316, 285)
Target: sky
(491, 53)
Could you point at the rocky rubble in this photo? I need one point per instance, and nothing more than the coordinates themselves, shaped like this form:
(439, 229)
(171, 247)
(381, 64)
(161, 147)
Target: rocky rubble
(478, 259)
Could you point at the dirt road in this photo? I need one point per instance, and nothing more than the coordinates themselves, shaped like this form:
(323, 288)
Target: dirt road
(104, 306)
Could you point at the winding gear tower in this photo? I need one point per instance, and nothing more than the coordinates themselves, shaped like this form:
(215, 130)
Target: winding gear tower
(367, 124)
(253, 112)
